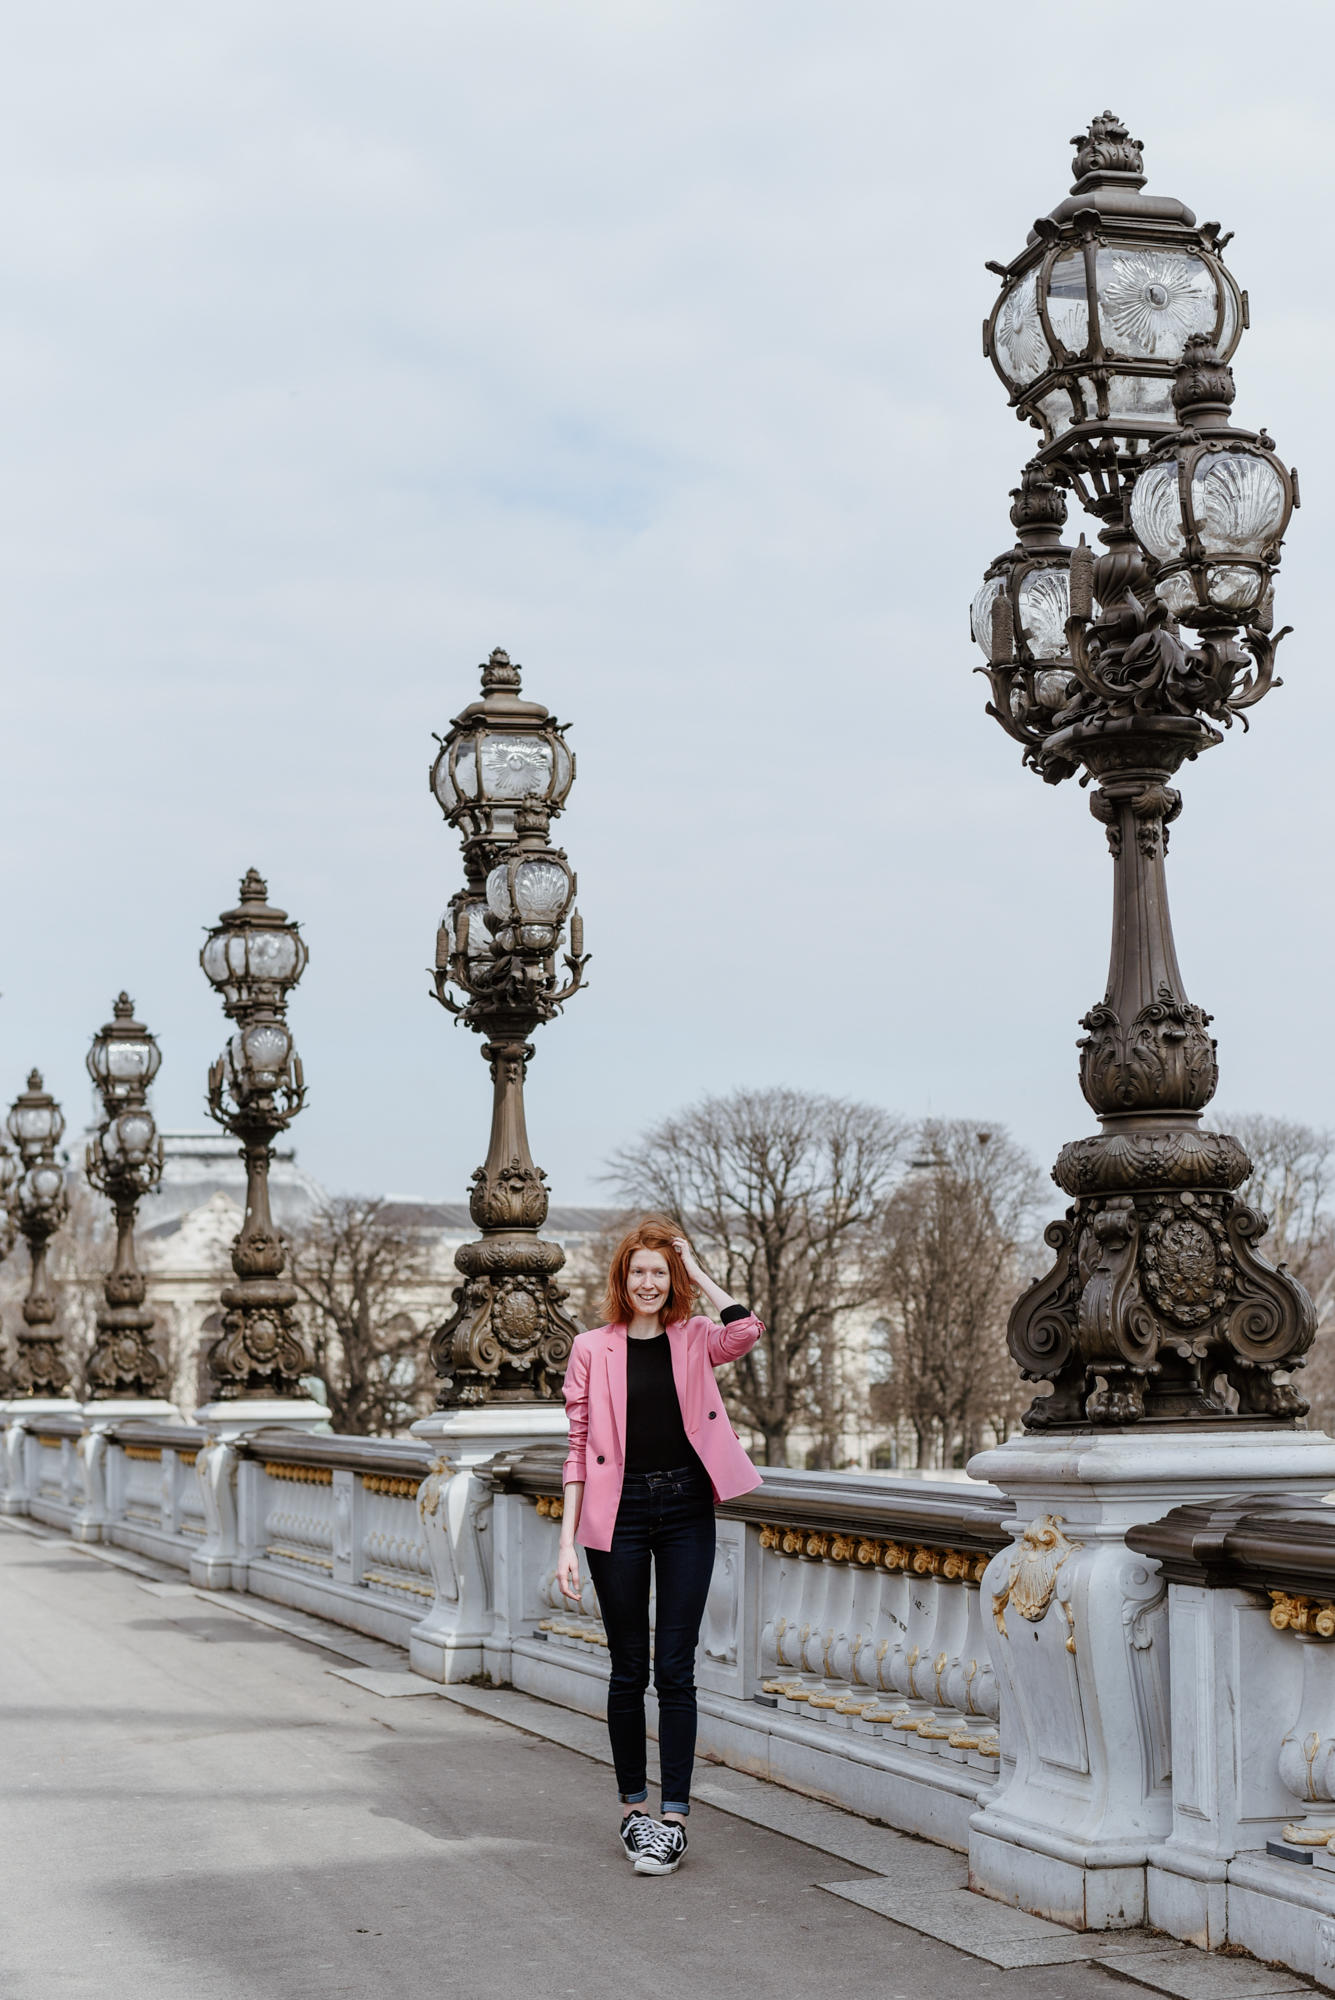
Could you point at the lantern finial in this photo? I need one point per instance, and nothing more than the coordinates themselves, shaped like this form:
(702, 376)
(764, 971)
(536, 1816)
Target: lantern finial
(499, 671)
(1106, 148)
(1203, 385)
(1037, 502)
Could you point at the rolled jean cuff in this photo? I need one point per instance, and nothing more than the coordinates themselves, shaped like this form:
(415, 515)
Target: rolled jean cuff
(633, 1798)
(681, 1806)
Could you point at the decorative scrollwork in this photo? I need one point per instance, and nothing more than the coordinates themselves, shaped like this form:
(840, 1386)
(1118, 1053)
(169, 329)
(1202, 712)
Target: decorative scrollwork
(1185, 1157)
(40, 1368)
(124, 1362)
(1034, 1565)
(260, 1350)
(513, 1198)
(507, 1335)
(1164, 1057)
(1043, 1320)
(1155, 1298)
(1313, 1617)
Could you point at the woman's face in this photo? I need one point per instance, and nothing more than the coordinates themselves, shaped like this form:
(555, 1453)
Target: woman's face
(648, 1282)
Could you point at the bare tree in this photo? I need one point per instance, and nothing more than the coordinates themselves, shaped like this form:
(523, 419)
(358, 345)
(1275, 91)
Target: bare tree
(356, 1265)
(946, 1277)
(1292, 1182)
(780, 1190)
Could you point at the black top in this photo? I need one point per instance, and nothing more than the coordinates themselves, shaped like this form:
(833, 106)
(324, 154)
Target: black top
(656, 1439)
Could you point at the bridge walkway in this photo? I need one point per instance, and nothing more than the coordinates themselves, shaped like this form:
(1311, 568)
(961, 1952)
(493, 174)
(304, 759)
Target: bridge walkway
(209, 1795)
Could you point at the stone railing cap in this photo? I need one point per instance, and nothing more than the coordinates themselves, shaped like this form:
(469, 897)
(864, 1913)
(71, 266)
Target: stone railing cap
(1248, 1542)
(941, 1513)
(401, 1457)
(147, 1430)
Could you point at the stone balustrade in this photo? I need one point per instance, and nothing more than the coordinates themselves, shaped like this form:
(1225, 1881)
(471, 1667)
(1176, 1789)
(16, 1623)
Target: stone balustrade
(1139, 1714)
(325, 1524)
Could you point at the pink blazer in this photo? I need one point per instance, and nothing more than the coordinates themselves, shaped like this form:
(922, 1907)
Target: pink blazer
(595, 1393)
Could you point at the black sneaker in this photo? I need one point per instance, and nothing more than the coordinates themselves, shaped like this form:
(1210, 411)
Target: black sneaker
(636, 1829)
(662, 1849)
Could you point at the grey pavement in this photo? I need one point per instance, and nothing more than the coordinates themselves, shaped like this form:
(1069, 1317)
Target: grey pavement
(199, 1803)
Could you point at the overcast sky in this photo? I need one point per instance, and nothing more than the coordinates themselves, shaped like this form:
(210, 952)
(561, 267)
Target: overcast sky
(341, 343)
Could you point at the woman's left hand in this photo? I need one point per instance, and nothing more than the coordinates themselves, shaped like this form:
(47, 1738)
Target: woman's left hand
(687, 1255)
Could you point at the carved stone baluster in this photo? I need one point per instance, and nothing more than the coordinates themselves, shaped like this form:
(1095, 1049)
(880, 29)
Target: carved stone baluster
(946, 1649)
(782, 1575)
(971, 1682)
(911, 1669)
(895, 1613)
(870, 1635)
(837, 1637)
(813, 1621)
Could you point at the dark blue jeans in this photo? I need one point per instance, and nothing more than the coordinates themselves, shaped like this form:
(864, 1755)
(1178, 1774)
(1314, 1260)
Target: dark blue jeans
(667, 1519)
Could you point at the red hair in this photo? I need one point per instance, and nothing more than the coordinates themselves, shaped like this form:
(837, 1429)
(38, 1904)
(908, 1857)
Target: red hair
(652, 1232)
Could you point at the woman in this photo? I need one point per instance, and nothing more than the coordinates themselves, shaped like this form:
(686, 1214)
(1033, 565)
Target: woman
(651, 1450)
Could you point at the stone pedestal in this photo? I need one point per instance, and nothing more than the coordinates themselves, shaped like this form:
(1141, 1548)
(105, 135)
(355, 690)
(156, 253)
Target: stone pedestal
(100, 1417)
(19, 1416)
(456, 1511)
(1079, 1636)
(215, 1467)
(229, 1419)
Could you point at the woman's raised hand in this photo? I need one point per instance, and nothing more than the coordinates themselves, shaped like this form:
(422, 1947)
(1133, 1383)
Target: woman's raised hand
(687, 1255)
(567, 1571)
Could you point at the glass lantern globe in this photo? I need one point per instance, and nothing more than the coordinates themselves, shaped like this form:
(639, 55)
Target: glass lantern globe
(529, 894)
(42, 1186)
(258, 1057)
(9, 1173)
(501, 753)
(1211, 507)
(1034, 580)
(128, 1141)
(464, 927)
(36, 1123)
(254, 954)
(1095, 312)
(124, 1057)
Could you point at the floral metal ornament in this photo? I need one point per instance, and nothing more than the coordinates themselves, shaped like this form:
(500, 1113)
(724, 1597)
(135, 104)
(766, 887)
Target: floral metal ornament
(1159, 1307)
(502, 774)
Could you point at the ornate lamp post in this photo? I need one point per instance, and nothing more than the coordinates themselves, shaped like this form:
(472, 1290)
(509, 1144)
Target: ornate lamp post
(1164, 1338)
(253, 956)
(9, 1174)
(1112, 332)
(501, 777)
(126, 1373)
(36, 1125)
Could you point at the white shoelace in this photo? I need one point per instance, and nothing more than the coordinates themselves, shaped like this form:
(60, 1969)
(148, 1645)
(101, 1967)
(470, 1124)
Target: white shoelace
(663, 1842)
